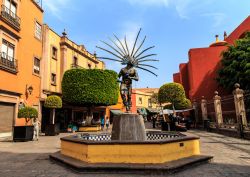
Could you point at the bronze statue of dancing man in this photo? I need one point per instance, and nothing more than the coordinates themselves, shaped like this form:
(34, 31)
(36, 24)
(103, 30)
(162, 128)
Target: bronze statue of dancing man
(132, 60)
(128, 74)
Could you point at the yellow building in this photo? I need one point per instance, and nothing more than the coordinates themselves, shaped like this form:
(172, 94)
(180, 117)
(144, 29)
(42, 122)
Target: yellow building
(21, 52)
(59, 55)
(143, 97)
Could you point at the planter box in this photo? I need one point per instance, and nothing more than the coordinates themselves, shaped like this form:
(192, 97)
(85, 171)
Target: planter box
(52, 129)
(23, 133)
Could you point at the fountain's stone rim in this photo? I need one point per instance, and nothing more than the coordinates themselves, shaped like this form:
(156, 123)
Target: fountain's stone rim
(73, 138)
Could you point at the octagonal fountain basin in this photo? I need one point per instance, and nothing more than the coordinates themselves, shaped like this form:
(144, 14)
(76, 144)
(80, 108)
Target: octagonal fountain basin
(159, 147)
(129, 149)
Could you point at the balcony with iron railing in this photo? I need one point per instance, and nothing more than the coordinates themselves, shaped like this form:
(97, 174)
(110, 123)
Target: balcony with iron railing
(10, 17)
(8, 63)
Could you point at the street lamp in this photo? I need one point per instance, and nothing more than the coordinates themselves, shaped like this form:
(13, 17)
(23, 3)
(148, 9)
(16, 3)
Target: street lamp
(29, 89)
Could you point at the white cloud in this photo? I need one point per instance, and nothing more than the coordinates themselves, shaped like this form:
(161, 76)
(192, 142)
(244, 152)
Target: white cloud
(130, 29)
(184, 8)
(218, 18)
(56, 7)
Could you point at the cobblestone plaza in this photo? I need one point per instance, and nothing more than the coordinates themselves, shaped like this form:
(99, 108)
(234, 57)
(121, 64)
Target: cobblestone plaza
(231, 158)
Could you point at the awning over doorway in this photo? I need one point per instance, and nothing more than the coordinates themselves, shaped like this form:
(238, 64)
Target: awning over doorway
(116, 112)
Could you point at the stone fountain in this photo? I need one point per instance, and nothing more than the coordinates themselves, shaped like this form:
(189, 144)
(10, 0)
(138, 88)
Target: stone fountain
(129, 148)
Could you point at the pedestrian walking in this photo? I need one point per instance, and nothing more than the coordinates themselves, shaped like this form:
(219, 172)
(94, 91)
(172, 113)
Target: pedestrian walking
(102, 121)
(36, 125)
(107, 123)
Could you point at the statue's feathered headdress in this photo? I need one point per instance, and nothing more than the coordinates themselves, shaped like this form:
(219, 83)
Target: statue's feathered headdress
(124, 56)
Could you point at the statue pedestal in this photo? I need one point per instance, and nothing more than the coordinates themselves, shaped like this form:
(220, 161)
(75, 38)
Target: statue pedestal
(128, 126)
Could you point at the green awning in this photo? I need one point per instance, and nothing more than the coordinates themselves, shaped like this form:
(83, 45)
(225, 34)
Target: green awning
(152, 110)
(116, 112)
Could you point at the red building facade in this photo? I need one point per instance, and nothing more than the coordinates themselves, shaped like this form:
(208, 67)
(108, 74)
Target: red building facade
(198, 75)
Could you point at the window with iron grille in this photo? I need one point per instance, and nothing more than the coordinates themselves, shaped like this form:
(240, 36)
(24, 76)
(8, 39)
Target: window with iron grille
(53, 78)
(7, 50)
(36, 67)
(11, 7)
(38, 31)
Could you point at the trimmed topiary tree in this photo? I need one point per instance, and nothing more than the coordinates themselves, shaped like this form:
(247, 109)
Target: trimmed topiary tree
(90, 87)
(28, 113)
(53, 102)
(174, 93)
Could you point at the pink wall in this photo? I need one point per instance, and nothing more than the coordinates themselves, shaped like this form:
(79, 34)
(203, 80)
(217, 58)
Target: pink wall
(239, 31)
(199, 74)
(176, 78)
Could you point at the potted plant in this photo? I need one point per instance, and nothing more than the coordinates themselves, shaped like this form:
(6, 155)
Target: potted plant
(25, 133)
(52, 102)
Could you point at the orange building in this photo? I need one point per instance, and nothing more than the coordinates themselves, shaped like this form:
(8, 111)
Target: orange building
(21, 52)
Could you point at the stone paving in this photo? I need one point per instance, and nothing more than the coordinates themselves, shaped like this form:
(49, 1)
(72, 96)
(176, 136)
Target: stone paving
(30, 159)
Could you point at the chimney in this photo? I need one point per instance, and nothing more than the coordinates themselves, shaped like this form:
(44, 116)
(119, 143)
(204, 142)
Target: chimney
(225, 35)
(217, 38)
(64, 33)
(95, 54)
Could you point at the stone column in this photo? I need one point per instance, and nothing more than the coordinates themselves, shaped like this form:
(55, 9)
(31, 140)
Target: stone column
(239, 105)
(204, 108)
(217, 108)
(196, 114)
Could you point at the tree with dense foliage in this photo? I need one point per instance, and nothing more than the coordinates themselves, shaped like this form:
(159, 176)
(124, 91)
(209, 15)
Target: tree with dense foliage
(90, 87)
(173, 93)
(236, 65)
(27, 113)
(53, 102)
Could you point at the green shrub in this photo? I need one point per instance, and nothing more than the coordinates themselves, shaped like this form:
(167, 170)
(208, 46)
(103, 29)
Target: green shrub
(27, 112)
(53, 101)
(90, 87)
(171, 92)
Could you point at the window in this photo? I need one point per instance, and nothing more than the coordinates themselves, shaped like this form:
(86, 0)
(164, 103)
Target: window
(140, 100)
(54, 52)
(149, 103)
(11, 8)
(7, 50)
(89, 65)
(38, 31)
(53, 79)
(75, 61)
(36, 67)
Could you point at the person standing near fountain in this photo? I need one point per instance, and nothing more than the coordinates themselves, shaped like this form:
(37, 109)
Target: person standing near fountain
(107, 123)
(102, 121)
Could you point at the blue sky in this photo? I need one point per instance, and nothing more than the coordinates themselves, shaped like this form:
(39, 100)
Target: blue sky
(173, 26)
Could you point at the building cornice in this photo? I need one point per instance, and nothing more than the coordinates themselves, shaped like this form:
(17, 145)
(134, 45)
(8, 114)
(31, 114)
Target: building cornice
(78, 51)
(10, 32)
(7, 92)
